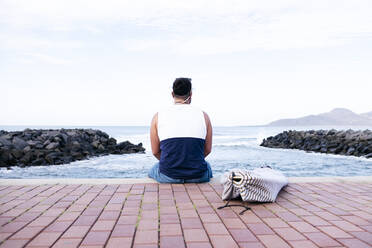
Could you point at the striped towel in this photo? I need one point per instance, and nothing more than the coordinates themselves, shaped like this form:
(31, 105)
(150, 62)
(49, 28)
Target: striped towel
(259, 185)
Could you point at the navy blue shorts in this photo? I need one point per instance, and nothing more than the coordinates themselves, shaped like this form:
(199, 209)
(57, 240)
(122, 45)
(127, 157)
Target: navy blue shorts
(161, 178)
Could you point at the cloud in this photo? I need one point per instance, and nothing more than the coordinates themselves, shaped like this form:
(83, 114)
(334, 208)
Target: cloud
(197, 26)
(30, 57)
(23, 42)
(241, 26)
(278, 30)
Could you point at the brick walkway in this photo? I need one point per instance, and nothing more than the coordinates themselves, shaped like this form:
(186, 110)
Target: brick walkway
(152, 215)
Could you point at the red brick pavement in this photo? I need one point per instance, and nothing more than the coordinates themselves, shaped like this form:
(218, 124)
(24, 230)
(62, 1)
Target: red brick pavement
(183, 216)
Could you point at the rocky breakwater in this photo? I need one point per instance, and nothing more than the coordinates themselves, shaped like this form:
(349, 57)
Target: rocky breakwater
(344, 142)
(46, 147)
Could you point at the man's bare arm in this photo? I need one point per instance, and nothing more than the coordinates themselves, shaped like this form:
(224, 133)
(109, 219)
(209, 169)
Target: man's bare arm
(208, 138)
(154, 137)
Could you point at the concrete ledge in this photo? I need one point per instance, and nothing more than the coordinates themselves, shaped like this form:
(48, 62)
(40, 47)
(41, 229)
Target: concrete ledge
(75, 181)
(33, 181)
(355, 179)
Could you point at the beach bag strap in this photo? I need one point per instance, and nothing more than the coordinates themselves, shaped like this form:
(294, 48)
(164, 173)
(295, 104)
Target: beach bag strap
(230, 198)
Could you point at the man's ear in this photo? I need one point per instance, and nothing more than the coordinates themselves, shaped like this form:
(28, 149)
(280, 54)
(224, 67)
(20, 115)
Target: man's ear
(172, 94)
(190, 93)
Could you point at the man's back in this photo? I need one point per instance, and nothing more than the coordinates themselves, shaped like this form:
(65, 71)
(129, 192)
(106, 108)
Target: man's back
(181, 120)
(182, 132)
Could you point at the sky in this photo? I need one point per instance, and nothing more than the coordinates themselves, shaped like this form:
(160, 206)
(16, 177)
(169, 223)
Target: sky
(113, 62)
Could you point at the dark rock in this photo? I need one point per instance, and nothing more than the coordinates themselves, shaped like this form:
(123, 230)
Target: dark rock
(42, 147)
(39, 161)
(77, 155)
(19, 143)
(123, 145)
(52, 157)
(349, 142)
(5, 157)
(127, 147)
(67, 159)
(3, 164)
(95, 144)
(52, 146)
(111, 141)
(101, 148)
(323, 149)
(5, 142)
(27, 149)
(39, 145)
(91, 132)
(27, 158)
(17, 153)
(46, 143)
(64, 138)
(72, 133)
(338, 149)
(332, 145)
(57, 139)
(32, 142)
(350, 151)
(367, 149)
(8, 136)
(316, 148)
(332, 150)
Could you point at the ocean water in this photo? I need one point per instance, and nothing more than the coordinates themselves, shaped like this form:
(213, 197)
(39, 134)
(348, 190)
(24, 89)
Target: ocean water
(233, 147)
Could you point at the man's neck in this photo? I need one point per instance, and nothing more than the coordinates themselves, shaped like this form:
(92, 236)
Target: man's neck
(182, 101)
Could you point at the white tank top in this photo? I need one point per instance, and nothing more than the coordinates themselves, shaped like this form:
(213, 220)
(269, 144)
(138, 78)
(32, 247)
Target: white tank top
(181, 120)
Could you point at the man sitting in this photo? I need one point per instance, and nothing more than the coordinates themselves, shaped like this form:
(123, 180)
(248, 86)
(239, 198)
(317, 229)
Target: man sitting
(181, 138)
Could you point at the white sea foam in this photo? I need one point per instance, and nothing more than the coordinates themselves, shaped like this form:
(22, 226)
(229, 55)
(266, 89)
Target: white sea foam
(229, 137)
(235, 144)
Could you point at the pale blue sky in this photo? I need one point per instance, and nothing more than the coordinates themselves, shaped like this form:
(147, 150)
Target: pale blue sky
(113, 62)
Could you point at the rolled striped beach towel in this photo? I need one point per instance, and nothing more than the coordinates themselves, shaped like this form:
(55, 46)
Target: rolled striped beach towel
(258, 185)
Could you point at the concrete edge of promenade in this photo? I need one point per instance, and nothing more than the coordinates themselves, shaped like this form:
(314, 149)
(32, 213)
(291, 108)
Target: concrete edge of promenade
(41, 181)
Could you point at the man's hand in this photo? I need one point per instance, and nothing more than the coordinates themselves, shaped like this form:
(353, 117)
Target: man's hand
(154, 137)
(208, 138)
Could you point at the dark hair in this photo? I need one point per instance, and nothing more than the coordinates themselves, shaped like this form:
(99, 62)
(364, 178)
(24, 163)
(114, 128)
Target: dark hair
(182, 86)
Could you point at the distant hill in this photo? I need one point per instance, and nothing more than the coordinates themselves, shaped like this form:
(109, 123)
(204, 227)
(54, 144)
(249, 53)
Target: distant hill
(337, 117)
(368, 115)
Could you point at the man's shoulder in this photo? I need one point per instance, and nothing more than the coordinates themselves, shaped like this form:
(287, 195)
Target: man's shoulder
(164, 109)
(176, 107)
(196, 108)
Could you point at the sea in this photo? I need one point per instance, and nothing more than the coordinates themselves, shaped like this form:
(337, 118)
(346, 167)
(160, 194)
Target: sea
(236, 147)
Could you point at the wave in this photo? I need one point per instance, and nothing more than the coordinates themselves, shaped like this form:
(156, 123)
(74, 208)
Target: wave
(338, 156)
(133, 137)
(230, 137)
(238, 144)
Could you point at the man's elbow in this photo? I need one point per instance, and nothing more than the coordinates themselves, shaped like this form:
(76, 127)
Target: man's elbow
(207, 152)
(156, 154)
